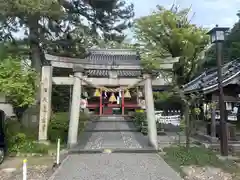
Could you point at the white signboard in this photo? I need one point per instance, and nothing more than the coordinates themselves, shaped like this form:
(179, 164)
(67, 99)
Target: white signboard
(83, 103)
(142, 103)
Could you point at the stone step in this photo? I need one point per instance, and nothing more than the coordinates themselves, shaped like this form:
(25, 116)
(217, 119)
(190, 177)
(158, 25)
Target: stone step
(111, 126)
(114, 150)
(106, 118)
(112, 130)
(110, 120)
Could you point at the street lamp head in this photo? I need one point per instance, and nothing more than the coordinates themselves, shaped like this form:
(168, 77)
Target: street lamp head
(217, 34)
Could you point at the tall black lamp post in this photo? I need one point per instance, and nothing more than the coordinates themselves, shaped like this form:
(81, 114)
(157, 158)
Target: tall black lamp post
(217, 35)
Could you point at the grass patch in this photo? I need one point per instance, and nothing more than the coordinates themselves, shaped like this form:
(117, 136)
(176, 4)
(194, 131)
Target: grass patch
(177, 157)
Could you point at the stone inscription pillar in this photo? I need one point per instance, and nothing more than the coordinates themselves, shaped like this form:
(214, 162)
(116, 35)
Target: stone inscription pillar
(45, 103)
(75, 110)
(152, 130)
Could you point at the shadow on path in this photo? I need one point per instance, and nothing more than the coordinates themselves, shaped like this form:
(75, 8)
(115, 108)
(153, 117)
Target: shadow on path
(116, 134)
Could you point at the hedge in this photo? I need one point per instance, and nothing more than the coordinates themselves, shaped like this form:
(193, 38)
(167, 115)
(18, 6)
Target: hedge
(59, 124)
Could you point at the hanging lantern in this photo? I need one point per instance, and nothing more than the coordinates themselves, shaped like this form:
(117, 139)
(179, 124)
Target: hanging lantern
(112, 98)
(97, 93)
(127, 94)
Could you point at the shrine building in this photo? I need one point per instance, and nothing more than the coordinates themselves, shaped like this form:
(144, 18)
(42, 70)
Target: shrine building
(207, 84)
(111, 81)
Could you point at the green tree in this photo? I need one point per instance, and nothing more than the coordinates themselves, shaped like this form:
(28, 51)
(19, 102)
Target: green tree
(125, 44)
(169, 33)
(46, 21)
(17, 82)
(231, 48)
(53, 26)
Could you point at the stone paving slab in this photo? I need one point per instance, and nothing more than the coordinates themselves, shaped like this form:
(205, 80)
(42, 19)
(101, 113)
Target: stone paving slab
(117, 136)
(122, 140)
(113, 140)
(115, 167)
(110, 126)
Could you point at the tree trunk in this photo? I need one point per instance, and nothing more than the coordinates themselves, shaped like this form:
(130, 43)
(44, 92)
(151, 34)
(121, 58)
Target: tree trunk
(31, 115)
(34, 39)
(187, 126)
(36, 64)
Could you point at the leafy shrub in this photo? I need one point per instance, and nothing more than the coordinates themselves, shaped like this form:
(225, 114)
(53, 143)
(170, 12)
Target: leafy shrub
(17, 83)
(58, 126)
(20, 139)
(20, 143)
(139, 118)
(13, 127)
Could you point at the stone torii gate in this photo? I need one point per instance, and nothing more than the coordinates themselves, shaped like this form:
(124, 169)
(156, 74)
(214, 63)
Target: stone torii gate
(127, 61)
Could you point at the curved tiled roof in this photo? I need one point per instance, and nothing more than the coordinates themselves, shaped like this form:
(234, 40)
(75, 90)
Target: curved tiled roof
(208, 81)
(102, 57)
(108, 56)
(128, 73)
(98, 73)
(120, 73)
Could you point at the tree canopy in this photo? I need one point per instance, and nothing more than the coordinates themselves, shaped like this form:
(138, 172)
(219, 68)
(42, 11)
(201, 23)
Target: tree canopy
(63, 26)
(169, 33)
(231, 48)
(17, 82)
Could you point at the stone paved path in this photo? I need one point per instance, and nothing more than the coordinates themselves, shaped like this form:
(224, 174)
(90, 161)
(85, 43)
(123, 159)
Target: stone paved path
(112, 134)
(115, 166)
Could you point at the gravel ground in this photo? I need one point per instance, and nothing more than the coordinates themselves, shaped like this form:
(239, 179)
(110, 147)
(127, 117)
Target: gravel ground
(34, 173)
(205, 173)
(39, 168)
(95, 141)
(130, 141)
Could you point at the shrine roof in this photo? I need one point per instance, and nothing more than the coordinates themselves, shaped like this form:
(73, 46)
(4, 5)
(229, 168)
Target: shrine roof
(120, 73)
(102, 57)
(108, 56)
(208, 80)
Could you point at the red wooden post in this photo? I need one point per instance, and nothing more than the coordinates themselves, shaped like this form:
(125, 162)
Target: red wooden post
(123, 102)
(100, 105)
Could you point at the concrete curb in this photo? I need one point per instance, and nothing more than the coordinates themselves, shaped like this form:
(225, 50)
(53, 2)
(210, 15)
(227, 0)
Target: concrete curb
(52, 177)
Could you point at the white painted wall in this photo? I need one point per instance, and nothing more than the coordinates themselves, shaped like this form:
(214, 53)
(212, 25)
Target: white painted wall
(6, 107)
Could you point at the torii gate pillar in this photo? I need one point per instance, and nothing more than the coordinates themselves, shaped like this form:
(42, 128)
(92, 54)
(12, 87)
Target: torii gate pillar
(75, 110)
(152, 130)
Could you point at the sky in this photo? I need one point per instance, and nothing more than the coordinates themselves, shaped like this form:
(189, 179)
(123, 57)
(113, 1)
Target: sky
(207, 13)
